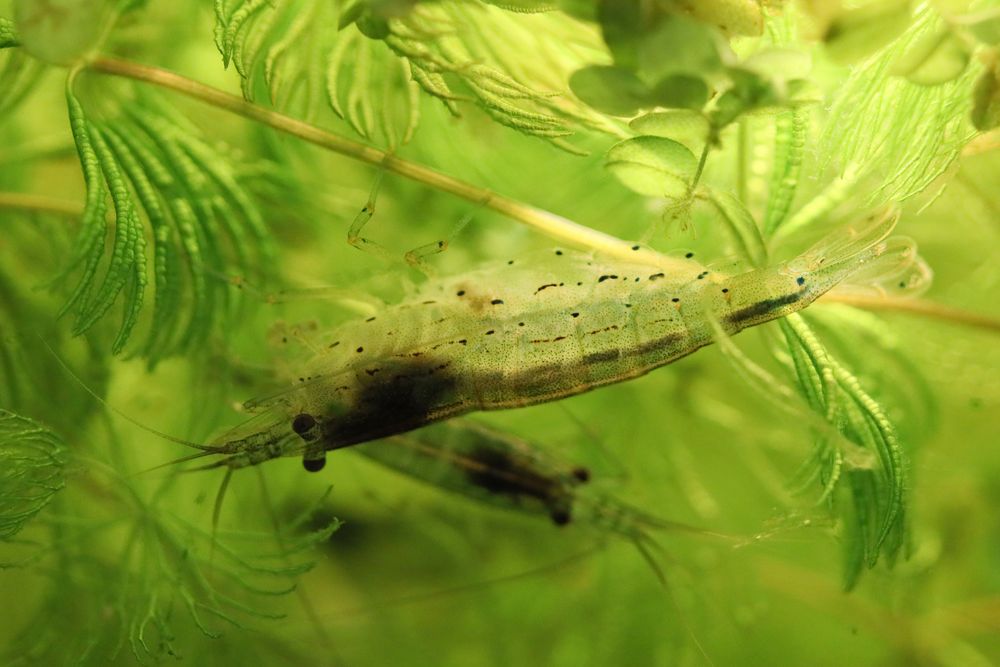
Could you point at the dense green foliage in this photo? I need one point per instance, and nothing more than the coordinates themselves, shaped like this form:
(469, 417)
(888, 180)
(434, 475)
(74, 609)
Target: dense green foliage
(163, 259)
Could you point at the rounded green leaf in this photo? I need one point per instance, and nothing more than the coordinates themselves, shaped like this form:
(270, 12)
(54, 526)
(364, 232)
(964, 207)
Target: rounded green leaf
(613, 90)
(584, 10)
(985, 26)
(780, 64)
(680, 91)
(857, 33)
(679, 45)
(935, 58)
(653, 166)
(682, 125)
(986, 100)
(735, 17)
(59, 31)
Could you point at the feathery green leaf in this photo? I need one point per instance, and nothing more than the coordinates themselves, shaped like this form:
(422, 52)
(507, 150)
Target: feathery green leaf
(32, 467)
(203, 226)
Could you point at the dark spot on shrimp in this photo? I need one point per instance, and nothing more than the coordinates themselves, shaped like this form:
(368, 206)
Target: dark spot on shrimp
(406, 394)
(496, 302)
(688, 255)
(579, 283)
(675, 300)
(372, 371)
(603, 278)
(360, 350)
(520, 324)
(545, 286)
(559, 252)
(490, 332)
(370, 319)
(463, 342)
(582, 474)
(725, 290)
(762, 308)
(460, 292)
(574, 314)
(635, 247)
(600, 357)
(509, 262)
(800, 281)
(428, 303)
(656, 276)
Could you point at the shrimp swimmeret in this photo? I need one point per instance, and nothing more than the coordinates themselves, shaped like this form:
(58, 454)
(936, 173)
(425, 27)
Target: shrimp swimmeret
(524, 333)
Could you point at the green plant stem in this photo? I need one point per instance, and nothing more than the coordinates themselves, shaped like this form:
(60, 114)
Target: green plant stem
(919, 307)
(546, 222)
(39, 204)
(701, 164)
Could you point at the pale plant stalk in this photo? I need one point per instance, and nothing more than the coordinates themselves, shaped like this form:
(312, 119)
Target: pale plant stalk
(546, 222)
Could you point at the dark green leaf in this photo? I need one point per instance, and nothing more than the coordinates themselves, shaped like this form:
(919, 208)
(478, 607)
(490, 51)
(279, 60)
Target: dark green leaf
(613, 90)
(678, 45)
(986, 100)
(680, 91)
(8, 36)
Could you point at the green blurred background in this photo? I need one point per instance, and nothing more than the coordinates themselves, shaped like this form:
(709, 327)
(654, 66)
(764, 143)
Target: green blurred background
(418, 576)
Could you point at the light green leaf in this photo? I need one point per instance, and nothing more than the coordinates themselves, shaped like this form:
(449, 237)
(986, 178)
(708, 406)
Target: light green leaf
(858, 33)
(524, 6)
(933, 59)
(60, 31)
(779, 64)
(688, 127)
(734, 17)
(653, 166)
(613, 90)
(984, 26)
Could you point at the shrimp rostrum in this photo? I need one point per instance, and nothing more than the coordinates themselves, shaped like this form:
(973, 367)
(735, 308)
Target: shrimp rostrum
(521, 333)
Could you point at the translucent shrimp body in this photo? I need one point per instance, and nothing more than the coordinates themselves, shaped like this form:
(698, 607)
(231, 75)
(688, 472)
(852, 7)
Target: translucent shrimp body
(527, 332)
(500, 470)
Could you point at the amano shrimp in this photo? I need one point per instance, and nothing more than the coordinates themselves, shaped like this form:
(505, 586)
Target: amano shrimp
(521, 333)
(498, 469)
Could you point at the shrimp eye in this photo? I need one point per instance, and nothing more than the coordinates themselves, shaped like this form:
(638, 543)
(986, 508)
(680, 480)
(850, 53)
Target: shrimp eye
(800, 281)
(582, 474)
(560, 517)
(303, 423)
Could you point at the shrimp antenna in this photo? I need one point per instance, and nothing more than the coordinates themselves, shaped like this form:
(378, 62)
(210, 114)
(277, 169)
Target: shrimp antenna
(207, 449)
(645, 546)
